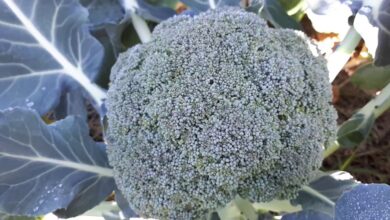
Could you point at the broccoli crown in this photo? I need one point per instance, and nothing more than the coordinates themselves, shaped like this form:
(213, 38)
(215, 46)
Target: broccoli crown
(215, 106)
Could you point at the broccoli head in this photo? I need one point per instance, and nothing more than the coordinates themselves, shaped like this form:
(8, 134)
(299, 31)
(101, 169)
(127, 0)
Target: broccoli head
(214, 106)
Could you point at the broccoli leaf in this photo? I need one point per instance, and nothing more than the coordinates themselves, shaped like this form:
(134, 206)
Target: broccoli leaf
(166, 3)
(273, 11)
(102, 12)
(307, 215)
(112, 215)
(204, 5)
(197, 5)
(368, 202)
(382, 55)
(71, 103)
(254, 6)
(370, 76)
(151, 12)
(48, 167)
(110, 36)
(357, 128)
(4, 216)
(322, 193)
(45, 48)
(124, 205)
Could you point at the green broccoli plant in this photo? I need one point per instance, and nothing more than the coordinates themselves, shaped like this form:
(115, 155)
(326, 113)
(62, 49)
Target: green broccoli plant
(214, 106)
(214, 116)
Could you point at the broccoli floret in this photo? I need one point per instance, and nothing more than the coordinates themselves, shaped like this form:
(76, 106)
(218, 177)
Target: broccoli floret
(215, 106)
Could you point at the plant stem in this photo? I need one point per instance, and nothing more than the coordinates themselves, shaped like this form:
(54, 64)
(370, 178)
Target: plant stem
(333, 147)
(339, 58)
(347, 162)
(212, 4)
(246, 208)
(277, 206)
(379, 104)
(141, 27)
(237, 209)
(318, 195)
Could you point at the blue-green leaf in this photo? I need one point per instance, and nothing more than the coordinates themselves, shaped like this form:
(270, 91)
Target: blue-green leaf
(197, 5)
(204, 5)
(382, 55)
(45, 47)
(71, 103)
(370, 76)
(355, 130)
(152, 12)
(307, 215)
(124, 205)
(4, 216)
(273, 11)
(49, 167)
(102, 12)
(364, 202)
(107, 22)
(322, 193)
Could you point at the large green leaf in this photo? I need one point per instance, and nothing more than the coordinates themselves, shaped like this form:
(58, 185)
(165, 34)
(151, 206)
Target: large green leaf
(49, 167)
(364, 202)
(370, 76)
(46, 48)
(273, 11)
(357, 128)
(322, 193)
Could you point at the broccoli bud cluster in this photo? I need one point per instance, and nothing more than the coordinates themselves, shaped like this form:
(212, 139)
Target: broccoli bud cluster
(214, 106)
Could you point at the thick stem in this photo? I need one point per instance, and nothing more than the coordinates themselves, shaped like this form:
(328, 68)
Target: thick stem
(237, 209)
(277, 206)
(246, 208)
(379, 104)
(212, 4)
(339, 58)
(141, 27)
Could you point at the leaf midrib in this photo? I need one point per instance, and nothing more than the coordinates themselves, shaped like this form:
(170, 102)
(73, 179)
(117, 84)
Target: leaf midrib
(102, 171)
